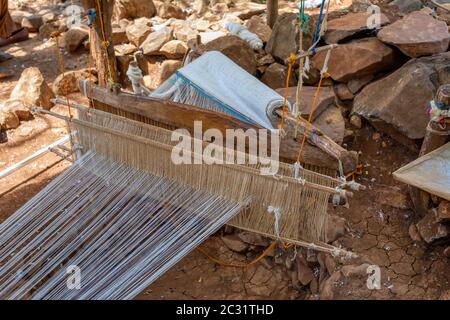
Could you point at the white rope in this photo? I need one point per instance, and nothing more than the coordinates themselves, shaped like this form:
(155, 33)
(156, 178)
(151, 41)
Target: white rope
(242, 32)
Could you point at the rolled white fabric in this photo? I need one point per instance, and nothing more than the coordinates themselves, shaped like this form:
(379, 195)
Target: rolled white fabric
(242, 32)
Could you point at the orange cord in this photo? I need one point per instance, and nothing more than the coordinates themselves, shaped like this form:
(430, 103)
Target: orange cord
(232, 265)
(286, 91)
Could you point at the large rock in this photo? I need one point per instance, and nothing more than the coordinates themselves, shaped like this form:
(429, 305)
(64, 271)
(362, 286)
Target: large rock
(167, 11)
(416, 35)
(275, 76)
(332, 123)
(74, 37)
(174, 49)
(350, 25)
(258, 26)
(284, 38)
(398, 101)
(368, 56)
(33, 90)
(324, 100)
(155, 41)
(168, 67)
(118, 36)
(32, 23)
(407, 6)
(68, 83)
(138, 32)
(237, 50)
(335, 228)
(132, 9)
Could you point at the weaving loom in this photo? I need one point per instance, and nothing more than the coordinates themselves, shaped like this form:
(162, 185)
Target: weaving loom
(124, 213)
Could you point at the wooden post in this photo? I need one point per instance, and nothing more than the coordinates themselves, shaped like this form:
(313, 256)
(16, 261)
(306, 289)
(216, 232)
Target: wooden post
(105, 60)
(435, 137)
(272, 12)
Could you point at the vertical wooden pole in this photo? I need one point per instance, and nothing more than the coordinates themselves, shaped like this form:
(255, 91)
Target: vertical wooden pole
(434, 138)
(105, 60)
(272, 12)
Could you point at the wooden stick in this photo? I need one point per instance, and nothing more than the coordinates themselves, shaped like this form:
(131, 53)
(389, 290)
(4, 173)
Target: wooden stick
(272, 12)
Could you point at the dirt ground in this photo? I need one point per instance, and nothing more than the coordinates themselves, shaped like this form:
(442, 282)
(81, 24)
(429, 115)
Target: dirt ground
(377, 231)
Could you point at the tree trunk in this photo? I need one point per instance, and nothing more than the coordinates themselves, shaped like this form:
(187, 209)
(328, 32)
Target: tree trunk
(104, 58)
(272, 12)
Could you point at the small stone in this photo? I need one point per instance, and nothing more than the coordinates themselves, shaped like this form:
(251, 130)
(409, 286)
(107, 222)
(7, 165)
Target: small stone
(155, 40)
(118, 36)
(354, 85)
(32, 89)
(234, 243)
(132, 9)
(275, 76)
(335, 228)
(21, 109)
(8, 120)
(174, 49)
(304, 272)
(258, 26)
(168, 67)
(444, 211)
(32, 23)
(356, 121)
(430, 229)
(167, 11)
(447, 253)
(414, 233)
(46, 30)
(124, 49)
(137, 33)
(376, 136)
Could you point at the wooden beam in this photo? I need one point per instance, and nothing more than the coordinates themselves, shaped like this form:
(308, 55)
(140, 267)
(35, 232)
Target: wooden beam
(102, 52)
(272, 12)
(320, 151)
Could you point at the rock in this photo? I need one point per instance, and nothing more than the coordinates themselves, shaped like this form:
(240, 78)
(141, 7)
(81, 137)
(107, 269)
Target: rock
(118, 36)
(123, 61)
(275, 76)
(18, 15)
(360, 5)
(68, 83)
(325, 99)
(74, 38)
(48, 17)
(32, 89)
(414, 233)
(392, 197)
(444, 211)
(184, 30)
(46, 30)
(201, 25)
(248, 9)
(284, 37)
(335, 228)
(237, 50)
(356, 121)
(350, 26)
(343, 92)
(265, 60)
(32, 23)
(416, 35)
(124, 49)
(8, 119)
(258, 26)
(253, 239)
(168, 67)
(369, 56)
(398, 101)
(137, 33)
(234, 243)
(174, 49)
(155, 40)
(304, 272)
(430, 229)
(354, 85)
(167, 11)
(407, 6)
(132, 9)
(20, 109)
(330, 264)
(332, 123)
